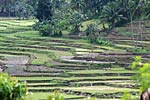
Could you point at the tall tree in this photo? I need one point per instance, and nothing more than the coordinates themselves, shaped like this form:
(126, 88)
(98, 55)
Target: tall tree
(44, 10)
(113, 14)
(22, 9)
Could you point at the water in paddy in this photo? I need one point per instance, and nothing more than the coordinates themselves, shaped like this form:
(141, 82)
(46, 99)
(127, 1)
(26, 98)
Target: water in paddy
(15, 64)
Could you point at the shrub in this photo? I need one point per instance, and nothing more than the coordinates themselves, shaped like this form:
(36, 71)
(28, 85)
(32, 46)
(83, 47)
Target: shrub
(142, 77)
(73, 51)
(102, 41)
(45, 29)
(127, 33)
(90, 98)
(143, 73)
(10, 89)
(56, 96)
(128, 96)
(92, 33)
(139, 50)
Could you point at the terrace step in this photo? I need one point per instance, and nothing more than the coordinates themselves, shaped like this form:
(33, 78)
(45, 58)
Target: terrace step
(100, 79)
(26, 74)
(74, 36)
(37, 81)
(69, 68)
(45, 80)
(42, 69)
(132, 43)
(106, 83)
(75, 98)
(74, 92)
(101, 74)
(66, 43)
(47, 48)
(69, 59)
(65, 67)
(45, 40)
(125, 54)
(117, 36)
(46, 84)
(114, 58)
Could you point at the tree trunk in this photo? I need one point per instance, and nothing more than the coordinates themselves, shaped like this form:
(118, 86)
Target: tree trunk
(132, 31)
(140, 27)
(77, 29)
(104, 27)
(140, 32)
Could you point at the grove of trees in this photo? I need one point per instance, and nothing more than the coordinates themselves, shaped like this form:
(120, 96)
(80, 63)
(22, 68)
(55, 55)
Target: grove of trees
(57, 15)
(16, 8)
(72, 13)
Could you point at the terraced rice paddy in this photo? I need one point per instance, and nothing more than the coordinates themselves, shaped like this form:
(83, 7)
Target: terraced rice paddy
(73, 66)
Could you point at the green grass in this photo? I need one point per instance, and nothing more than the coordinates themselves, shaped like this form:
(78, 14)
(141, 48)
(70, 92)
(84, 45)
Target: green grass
(89, 89)
(124, 46)
(41, 95)
(127, 33)
(74, 78)
(100, 89)
(40, 58)
(107, 81)
(12, 26)
(95, 21)
(17, 22)
(101, 71)
(22, 40)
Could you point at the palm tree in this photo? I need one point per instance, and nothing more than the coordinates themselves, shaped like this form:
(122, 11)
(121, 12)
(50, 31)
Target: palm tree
(112, 14)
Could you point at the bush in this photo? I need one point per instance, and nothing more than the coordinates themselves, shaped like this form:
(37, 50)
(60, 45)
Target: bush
(90, 98)
(128, 96)
(143, 75)
(45, 29)
(92, 33)
(139, 50)
(102, 41)
(10, 89)
(56, 96)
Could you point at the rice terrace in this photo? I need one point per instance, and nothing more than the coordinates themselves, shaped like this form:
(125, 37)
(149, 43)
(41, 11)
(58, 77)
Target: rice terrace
(74, 49)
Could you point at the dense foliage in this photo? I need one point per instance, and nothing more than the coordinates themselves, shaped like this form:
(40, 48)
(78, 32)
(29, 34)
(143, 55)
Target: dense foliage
(44, 10)
(143, 75)
(11, 89)
(141, 78)
(112, 12)
(56, 17)
(92, 32)
(69, 14)
(16, 8)
(56, 96)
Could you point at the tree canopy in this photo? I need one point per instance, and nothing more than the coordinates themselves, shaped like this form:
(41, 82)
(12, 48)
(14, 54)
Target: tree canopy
(64, 13)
